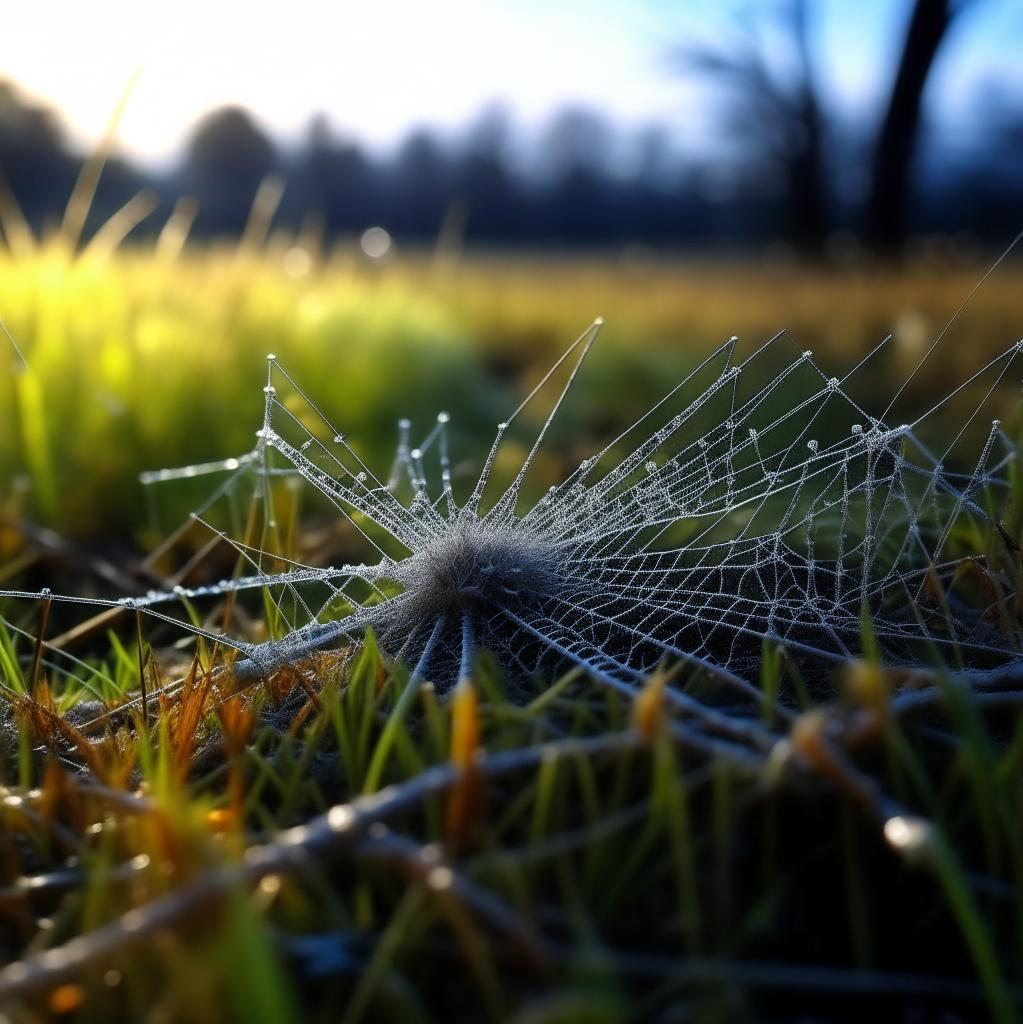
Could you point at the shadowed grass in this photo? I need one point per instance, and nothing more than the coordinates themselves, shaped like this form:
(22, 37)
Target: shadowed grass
(591, 833)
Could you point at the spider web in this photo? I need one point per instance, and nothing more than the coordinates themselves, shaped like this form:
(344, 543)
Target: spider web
(756, 502)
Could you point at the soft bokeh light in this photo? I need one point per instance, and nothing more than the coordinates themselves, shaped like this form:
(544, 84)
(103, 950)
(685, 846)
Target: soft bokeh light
(375, 242)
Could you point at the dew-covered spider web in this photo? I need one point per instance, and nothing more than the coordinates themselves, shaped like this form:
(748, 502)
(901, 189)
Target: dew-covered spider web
(755, 503)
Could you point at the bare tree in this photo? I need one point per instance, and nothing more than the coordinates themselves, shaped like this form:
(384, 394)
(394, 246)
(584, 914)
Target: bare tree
(773, 110)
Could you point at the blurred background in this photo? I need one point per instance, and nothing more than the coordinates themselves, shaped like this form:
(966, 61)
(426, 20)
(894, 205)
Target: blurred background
(416, 206)
(814, 126)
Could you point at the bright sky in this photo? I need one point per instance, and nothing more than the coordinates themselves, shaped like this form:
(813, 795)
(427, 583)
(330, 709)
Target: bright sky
(375, 67)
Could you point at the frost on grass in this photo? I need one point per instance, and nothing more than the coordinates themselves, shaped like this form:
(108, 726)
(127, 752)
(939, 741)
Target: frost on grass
(755, 502)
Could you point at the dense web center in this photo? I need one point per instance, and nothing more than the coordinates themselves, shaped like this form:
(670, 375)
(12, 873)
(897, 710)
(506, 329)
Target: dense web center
(475, 566)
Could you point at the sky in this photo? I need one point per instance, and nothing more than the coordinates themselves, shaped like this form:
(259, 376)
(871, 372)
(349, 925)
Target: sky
(378, 67)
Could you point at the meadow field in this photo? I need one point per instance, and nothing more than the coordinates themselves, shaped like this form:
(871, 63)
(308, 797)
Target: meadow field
(345, 840)
(141, 359)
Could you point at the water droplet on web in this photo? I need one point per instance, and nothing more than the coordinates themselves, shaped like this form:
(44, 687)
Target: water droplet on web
(339, 439)
(270, 390)
(443, 417)
(305, 445)
(651, 466)
(361, 477)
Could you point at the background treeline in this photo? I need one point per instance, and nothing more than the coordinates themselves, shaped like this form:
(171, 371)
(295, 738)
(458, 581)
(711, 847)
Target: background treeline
(778, 164)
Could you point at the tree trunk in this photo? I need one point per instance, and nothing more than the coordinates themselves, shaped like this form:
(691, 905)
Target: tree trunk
(893, 156)
(808, 203)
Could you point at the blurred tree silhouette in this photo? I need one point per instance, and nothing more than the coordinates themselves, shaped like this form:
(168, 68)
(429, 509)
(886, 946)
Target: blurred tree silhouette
(35, 165)
(575, 151)
(334, 179)
(771, 109)
(764, 72)
(484, 181)
(421, 184)
(886, 220)
(226, 160)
